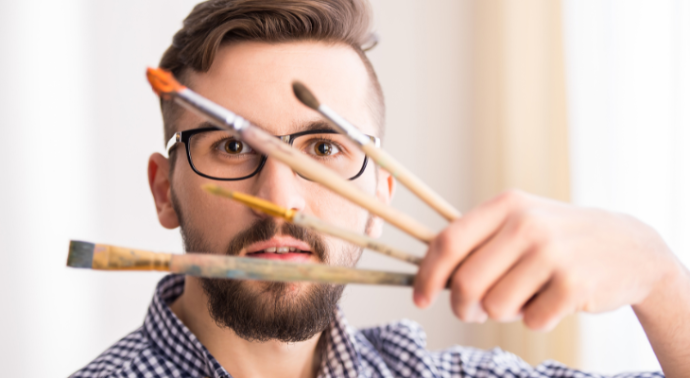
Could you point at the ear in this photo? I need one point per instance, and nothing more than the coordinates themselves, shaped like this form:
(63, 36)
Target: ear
(385, 189)
(159, 182)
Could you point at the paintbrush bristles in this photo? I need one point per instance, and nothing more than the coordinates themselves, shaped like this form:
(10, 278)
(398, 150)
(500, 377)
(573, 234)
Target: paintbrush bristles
(80, 254)
(255, 203)
(304, 95)
(163, 82)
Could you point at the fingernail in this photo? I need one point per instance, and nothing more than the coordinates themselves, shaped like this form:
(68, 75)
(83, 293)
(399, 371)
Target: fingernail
(513, 318)
(476, 313)
(420, 300)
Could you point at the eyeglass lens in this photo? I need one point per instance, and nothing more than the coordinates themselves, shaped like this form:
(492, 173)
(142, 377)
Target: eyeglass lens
(218, 154)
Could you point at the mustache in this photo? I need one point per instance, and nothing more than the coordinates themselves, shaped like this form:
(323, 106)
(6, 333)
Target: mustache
(266, 228)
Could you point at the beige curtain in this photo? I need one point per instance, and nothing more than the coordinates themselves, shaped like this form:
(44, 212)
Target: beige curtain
(520, 136)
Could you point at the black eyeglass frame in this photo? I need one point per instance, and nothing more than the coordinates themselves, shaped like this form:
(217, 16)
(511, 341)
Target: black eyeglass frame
(184, 136)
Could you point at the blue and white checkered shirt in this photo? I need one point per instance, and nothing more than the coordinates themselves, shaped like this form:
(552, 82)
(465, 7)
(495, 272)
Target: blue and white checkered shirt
(164, 347)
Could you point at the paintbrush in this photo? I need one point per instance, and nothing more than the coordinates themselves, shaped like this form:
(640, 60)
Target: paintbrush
(165, 85)
(106, 257)
(378, 155)
(312, 223)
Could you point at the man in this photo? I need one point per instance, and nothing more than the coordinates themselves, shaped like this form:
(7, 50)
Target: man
(516, 256)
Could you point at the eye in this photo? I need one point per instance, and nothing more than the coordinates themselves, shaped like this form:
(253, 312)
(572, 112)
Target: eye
(324, 148)
(235, 147)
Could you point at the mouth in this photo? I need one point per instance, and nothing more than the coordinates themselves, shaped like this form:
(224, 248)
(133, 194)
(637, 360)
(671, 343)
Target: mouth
(280, 247)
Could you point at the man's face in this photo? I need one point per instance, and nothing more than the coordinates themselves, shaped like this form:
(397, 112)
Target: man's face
(255, 80)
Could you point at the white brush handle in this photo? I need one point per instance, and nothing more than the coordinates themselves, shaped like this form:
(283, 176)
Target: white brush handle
(412, 182)
(317, 224)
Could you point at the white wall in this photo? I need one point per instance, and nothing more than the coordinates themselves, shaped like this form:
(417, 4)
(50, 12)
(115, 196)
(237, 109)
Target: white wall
(628, 65)
(79, 122)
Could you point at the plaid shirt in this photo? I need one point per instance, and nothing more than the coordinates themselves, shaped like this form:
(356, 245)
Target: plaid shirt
(164, 347)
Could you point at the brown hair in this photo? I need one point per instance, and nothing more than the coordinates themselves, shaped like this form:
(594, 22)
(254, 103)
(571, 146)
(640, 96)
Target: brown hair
(214, 22)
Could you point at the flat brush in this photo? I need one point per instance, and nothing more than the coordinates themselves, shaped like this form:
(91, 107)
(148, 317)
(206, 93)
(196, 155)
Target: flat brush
(165, 85)
(106, 257)
(313, 223)
(378, 155)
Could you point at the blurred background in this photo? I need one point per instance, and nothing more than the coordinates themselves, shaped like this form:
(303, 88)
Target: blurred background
(580, 100)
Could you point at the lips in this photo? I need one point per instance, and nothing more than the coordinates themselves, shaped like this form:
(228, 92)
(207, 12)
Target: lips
(280, 247)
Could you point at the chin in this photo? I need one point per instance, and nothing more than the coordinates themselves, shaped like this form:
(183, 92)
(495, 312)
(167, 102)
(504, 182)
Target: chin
(285, 290)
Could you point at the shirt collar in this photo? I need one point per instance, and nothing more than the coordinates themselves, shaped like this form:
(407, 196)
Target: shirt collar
(173, 340)
(342, 352)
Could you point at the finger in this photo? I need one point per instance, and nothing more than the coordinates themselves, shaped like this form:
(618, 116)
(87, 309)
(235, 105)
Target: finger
(483, 268)
(506, 299)
(551, 305)
(453, 244)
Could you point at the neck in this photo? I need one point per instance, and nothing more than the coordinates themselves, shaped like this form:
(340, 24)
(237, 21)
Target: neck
(242, 358)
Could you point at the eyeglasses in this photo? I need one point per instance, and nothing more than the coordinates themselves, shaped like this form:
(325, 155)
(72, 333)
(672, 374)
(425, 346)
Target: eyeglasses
(216, 154)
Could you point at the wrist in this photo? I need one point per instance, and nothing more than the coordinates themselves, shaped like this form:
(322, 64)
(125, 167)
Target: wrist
(673, 281)
(663, 314)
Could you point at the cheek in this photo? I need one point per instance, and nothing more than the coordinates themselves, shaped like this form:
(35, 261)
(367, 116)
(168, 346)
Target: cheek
(213, 218)
(341, 253)
(337, 210)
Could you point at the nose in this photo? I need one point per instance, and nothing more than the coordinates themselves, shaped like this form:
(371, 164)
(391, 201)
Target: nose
(279, 184)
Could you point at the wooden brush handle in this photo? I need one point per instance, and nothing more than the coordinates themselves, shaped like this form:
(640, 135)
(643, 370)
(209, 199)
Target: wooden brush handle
(309, 168)
(412, 182)
(218, 266)
(317, 224)
(108, 257)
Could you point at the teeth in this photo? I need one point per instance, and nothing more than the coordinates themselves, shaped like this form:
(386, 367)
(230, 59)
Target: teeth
(281, 250)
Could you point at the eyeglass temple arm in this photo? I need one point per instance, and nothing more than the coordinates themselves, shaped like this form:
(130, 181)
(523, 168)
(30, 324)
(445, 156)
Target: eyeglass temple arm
(176, 138)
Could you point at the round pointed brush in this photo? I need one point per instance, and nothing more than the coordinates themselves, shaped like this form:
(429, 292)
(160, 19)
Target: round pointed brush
(378, 155)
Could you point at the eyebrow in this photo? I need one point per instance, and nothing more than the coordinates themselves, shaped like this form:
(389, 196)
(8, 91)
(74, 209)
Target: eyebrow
(318, 125)
(311, 126)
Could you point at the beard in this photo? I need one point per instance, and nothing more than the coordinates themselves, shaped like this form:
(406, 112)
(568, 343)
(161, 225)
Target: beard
(270, 310)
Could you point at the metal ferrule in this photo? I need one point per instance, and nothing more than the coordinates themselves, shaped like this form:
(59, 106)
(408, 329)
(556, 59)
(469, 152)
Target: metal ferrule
(208, 109)
(345, 127)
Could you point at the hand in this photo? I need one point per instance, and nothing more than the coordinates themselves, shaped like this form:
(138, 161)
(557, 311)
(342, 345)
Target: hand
(519, 255)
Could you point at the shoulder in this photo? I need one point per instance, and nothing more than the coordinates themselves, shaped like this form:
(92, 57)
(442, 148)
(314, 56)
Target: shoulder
(405, 333)
(132, 356)
(398, 347)
(402, 348)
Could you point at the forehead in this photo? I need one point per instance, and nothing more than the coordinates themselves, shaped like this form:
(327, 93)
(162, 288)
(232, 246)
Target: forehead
(254, 80)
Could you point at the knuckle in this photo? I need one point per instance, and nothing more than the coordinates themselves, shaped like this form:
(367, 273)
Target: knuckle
(456, 304)
(541, 321)
(512, 198)
(464, 287)
(457, 311)
(547, 254)
(496, 309)
(535, 322)
(444, 244)
(531, 225)
(568, 286)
